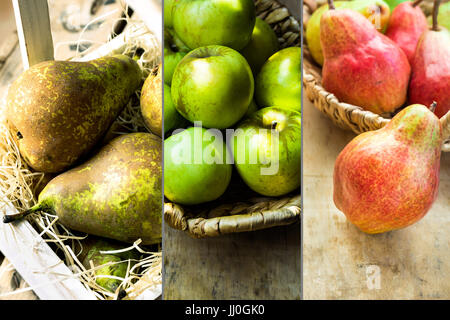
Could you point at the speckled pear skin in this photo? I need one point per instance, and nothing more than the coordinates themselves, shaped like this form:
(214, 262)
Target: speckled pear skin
(362, 66)
(58, 110)
(116, 194)
(388, 179)
(151, 102)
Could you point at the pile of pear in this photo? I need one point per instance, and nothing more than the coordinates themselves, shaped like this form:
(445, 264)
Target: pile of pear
(382, 57)
(386, 179)
(223, 67)
(59, 113)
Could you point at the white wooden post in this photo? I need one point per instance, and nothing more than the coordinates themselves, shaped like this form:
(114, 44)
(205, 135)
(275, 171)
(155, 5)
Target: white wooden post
(33, 30)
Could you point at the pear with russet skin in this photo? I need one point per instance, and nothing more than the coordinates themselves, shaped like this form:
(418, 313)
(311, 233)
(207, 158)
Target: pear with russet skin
(388, 179)
(406, 26)
(362, 66)
(430, 76)
(59, 110)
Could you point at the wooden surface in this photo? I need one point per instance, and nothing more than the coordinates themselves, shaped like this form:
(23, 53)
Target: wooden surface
(341, 262)
(33, 29)
(252, 265)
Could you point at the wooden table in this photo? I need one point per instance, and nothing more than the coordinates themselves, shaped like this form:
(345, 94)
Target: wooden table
(254, 265)
(341, 262)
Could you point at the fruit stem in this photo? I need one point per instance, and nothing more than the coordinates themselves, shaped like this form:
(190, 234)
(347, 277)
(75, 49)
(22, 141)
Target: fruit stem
(17, 216)
(331, 5)
(274, 125)
(416, 3)
(435, 14)
(433, 106)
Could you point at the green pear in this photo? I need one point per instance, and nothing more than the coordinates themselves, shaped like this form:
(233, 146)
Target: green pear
(116, 194)
(151, 102)
(59, 110)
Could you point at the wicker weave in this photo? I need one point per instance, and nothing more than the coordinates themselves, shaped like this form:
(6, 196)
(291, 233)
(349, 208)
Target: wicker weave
(345, 115)
(240, 209)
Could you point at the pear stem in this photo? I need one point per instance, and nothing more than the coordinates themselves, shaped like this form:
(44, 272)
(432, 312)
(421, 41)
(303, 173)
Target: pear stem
(416, 3)
(435, 14)
(331, 5)
(18, 216)
(433, 106)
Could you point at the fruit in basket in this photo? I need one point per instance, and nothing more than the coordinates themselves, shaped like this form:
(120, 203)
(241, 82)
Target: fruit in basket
(262, 45)
(151, 102)
(279, 81)
(114, 264)
(172, 119)
(116, 194)
(196, 167)
(267, 151)
(168, 6)
(406, 25)
(59, 110)
(430, 76)
(388, 179)
(214, 85)
(362, 66)
(174, 51)
(200, 23)
(376, 11)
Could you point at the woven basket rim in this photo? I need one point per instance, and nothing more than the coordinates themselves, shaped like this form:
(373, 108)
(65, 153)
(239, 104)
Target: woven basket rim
(344, 115)
(266, 212)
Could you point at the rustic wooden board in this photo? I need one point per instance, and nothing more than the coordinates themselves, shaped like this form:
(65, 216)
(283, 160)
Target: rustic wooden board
(341, 262)
(252, 265)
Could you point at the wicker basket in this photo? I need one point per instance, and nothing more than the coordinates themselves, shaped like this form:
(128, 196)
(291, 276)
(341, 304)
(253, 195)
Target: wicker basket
(345, 115)
(240, 209)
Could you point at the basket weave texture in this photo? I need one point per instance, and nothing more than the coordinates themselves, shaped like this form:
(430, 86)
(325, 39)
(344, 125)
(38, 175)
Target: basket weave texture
(344, 115)
(240, 209)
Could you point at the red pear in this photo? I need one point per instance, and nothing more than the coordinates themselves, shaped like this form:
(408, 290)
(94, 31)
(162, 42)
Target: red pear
(430, 77)
(362, 66)
(388, 179)
(406, 25)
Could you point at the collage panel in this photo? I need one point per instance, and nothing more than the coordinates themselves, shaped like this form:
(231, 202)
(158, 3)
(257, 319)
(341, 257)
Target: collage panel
(376, 167)
(81, 171)
(232, 150)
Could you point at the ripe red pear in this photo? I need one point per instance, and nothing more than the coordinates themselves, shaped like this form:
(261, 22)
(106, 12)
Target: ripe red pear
(362, 66)
(388, 179)
(430, 76)
(406, 25)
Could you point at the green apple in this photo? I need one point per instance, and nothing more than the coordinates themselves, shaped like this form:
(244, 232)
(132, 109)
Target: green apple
(214, 85)
(267, 151)
(168, 5)
(262, 45)
(200, 23)
(172, 119)
(278, 83)
(252, 108)
(173, 54)
(196, 169)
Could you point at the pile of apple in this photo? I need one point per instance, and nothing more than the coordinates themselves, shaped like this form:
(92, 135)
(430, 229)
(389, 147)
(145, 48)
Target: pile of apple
(382, 61)
(386, 179)
(225, 80)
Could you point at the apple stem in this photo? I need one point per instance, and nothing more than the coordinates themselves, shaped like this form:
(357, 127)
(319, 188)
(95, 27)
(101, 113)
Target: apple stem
(435, 14)
(274, 125)
(433, 106)
(416, 3)
(331, 5)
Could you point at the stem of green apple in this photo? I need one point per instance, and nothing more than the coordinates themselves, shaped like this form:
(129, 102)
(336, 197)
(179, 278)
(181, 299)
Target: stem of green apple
(331, 5)
(274, 125)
